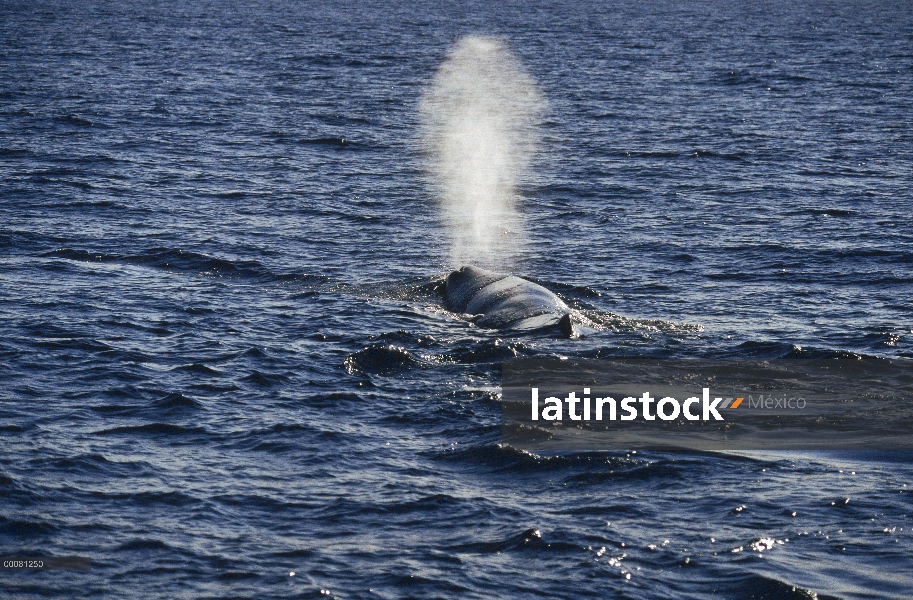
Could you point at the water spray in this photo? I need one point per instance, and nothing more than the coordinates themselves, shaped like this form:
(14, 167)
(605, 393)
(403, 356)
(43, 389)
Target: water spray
(478, 121)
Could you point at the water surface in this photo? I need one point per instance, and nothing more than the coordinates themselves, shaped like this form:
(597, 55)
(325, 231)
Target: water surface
(224, 358)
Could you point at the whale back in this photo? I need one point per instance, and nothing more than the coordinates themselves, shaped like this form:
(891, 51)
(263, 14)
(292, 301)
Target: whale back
(503, 301)
(464, 284)
(511, 300)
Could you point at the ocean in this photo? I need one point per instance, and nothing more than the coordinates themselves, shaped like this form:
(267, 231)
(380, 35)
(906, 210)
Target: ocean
(227, 369)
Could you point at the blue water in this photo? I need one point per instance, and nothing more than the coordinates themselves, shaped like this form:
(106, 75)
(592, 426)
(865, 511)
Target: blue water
(224, 359)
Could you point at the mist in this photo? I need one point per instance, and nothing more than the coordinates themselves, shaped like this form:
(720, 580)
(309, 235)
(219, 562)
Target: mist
(479, 123)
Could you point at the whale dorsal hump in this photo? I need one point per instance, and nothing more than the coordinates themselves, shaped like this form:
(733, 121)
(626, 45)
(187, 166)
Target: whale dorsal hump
(566, 325)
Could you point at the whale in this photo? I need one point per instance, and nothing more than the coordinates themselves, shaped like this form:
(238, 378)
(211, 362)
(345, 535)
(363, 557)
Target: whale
(506, 302)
